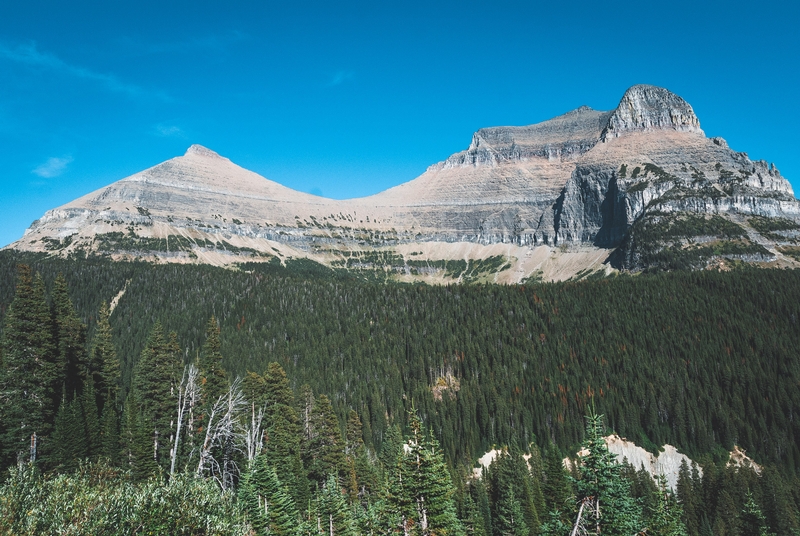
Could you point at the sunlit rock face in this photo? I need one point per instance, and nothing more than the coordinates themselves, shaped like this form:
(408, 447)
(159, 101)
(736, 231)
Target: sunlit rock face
(580, 180)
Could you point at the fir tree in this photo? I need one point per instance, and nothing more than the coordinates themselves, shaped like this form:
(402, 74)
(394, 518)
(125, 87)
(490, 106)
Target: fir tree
(213, 379)
(508, 519)
(421, 489)
(69, 442)
(104, 362)
(91, 421)
(109, 434)
(154, 388)
(665, 515)
(70, 339)
(323, 452)
(333, 513)
(254, 389)
(688, 499)
(276, 385)
(270, 509)
(601, 488)
(31, 377)
(753, 520)
(362, 478)
(556, 487)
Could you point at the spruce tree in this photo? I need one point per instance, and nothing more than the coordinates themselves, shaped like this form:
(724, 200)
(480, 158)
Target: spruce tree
(154, 389)
(213, 379)
(70, 340)
(31, 377)
(104, 363)
(333, 513)
(323, 452)
(91, 421)
(68, 439)
(609, 507)
(269, 507)
(687, 497)
(421, 489)
(556, 487)
(665, 515)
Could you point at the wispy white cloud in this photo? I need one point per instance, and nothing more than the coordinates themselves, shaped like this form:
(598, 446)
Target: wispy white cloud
(53, 167)
(29, 55)
(166, 130)
(340, 78)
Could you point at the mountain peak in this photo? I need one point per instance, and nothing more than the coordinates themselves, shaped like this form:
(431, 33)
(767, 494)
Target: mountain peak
(645, 108)
(199, 150)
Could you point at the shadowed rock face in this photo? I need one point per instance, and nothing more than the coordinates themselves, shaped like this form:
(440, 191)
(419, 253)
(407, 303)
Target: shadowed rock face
(581, 179)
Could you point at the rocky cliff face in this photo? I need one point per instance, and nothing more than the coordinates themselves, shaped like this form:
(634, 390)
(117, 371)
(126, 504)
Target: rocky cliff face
(647, 108)
(640, 186)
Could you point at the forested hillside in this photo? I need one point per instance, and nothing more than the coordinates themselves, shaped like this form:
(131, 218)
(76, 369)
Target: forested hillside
(336, 370)
(697, 360)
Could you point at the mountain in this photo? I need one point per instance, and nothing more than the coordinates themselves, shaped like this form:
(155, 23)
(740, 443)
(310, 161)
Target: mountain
(638, 187)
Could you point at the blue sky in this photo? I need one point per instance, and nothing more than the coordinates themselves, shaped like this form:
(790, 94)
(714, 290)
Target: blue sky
(347, 99)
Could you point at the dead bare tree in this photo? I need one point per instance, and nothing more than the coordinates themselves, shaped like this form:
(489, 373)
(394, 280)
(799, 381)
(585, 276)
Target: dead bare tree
(187, 397)
(222, 432)
(579, 529)
(253, 433)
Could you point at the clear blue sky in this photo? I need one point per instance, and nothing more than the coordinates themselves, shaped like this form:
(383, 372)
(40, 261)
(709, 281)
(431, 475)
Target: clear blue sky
(345, 98)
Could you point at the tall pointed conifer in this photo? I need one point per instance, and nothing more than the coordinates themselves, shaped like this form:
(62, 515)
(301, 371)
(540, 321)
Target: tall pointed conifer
(104, 362)
(31, 376)
(70, 339)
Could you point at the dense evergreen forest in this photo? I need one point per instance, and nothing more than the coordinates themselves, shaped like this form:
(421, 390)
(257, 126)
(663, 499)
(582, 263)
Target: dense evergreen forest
(302, 397)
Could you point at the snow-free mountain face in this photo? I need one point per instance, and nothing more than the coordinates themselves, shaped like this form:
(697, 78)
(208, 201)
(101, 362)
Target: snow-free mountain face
(636, 187)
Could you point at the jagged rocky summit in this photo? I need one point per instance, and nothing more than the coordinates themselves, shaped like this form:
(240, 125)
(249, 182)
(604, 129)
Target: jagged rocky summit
(639, 187)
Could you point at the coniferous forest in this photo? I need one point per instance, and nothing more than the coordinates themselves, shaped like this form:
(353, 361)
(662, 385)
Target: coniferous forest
(139, 398)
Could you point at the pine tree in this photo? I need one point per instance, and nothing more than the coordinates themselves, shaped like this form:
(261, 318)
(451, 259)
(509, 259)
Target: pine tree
(31, 377)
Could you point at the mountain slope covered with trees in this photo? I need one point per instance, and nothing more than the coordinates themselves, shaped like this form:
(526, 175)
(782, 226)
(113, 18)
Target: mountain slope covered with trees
(296, 390)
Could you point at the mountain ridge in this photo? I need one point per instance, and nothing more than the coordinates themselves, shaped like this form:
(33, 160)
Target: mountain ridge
(579, 182)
